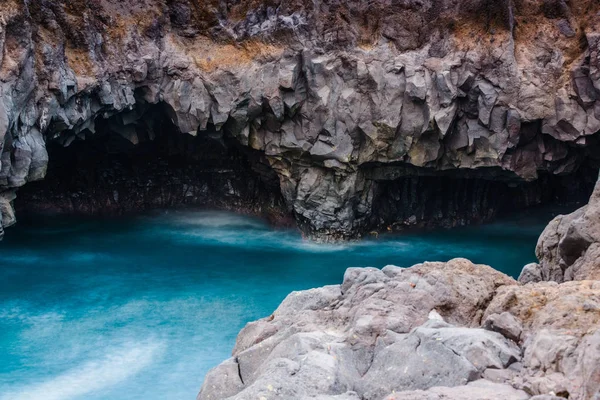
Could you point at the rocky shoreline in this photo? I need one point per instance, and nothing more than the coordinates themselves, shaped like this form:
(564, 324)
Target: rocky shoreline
(434, 331)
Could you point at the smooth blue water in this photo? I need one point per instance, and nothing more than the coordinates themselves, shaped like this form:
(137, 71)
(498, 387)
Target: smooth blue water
(141, 308)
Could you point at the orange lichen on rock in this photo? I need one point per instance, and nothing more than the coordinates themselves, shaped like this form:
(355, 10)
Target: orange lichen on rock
(550, 305)
(210, 56)
(79, 60)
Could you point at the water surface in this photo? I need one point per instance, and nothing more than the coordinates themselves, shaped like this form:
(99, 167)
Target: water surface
(141, 308)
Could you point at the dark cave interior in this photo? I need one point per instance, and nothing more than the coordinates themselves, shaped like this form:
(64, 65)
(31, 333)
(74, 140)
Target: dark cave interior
(139, 160)
(132, 164)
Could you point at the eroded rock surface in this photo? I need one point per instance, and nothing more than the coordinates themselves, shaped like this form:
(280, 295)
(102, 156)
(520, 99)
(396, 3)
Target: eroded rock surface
(337, 97)
(433, 331)
(561, 336)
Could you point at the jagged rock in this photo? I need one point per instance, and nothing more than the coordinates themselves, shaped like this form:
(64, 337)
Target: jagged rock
(560, 335)
(374, 334)
(569, 247)
(326, 92)
(311, 364)
(531, 273)
(382, 335)
(548, 304)
(505, 324)
(436, 354)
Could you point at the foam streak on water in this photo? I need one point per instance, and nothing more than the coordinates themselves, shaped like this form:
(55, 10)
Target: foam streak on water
(118, 365)
(141, 308)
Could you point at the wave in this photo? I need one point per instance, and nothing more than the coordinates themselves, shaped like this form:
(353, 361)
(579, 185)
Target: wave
(209, 219)
(254, 240)
(117, 366)
(230, 230)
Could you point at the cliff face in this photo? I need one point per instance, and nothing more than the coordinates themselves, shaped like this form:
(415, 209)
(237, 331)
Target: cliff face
(339, 100)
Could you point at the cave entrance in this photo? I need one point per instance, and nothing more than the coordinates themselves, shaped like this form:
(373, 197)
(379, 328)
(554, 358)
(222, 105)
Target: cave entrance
(422, 200)
(139, 160)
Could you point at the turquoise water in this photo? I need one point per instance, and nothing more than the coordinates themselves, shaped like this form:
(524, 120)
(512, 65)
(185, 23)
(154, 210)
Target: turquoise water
(142, 308)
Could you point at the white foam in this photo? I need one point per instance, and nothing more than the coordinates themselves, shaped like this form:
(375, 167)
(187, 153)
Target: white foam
(213, 219)
(247, 237)
(312, 247)
(233, 230)
(92, 376)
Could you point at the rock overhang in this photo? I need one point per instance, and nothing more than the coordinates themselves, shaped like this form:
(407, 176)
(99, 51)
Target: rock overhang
(461, 90)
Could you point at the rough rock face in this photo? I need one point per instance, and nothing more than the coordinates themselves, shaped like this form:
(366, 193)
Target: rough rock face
(561, 346)
(569, 247)
(337, 97)
(433, 331)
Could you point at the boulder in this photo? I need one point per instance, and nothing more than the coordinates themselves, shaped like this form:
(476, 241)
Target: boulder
(436, 354)
(432, 331)
(505, 324)
(380, 331)
(531, 273)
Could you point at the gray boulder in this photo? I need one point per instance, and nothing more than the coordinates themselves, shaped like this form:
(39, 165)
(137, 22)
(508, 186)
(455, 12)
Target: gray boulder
(531, 273)
(378, 332)
(436, 354)
(433, 331)
(505, 324)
